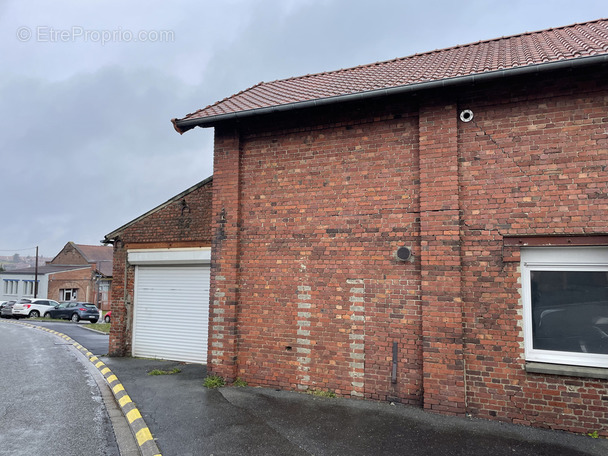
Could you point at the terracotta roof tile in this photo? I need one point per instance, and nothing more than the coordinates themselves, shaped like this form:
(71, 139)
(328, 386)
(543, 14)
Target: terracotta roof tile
(535, 48)
(95, 253)
(99, 255)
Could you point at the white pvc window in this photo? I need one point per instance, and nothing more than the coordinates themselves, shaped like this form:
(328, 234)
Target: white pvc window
(11, 287)
(29, 286)
(68, 294)
(565, 297)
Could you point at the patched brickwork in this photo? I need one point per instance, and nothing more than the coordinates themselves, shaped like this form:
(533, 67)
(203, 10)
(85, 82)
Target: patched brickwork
(184, 221)
(310, 208)
(440, 260)
(322, 212)
(224, 256)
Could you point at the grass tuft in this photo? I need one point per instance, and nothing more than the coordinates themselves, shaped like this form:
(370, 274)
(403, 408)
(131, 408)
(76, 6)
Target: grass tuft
(239, 382)
(175, 370)
(321, 393)
(102, 327)
(214, 381)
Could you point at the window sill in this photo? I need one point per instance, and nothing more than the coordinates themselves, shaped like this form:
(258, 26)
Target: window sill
(570, 371)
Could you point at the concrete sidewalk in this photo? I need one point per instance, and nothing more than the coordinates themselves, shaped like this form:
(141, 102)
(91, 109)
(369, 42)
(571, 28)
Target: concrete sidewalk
(185, 418)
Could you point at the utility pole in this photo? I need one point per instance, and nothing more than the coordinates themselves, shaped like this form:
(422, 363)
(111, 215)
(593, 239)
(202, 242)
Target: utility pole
(36, 276)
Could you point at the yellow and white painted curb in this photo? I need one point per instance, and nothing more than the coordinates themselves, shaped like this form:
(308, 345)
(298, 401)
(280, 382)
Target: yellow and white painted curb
(143, 436)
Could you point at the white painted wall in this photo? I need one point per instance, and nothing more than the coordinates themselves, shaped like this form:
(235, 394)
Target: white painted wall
(43, 285)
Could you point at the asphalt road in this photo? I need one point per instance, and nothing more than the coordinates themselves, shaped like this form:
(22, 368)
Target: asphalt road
(50, 404)
(95, 342)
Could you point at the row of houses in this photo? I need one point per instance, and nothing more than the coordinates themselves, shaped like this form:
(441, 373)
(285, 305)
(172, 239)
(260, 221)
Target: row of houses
(431, 230)
(77, 273)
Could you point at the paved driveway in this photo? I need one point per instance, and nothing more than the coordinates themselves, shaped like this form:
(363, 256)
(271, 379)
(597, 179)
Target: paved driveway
(97, 343)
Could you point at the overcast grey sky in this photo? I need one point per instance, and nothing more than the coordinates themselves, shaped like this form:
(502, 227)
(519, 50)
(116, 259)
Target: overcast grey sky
(88, 88)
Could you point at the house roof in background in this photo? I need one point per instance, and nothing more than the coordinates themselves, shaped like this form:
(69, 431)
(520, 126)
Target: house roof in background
(100, 255)
(44, 269)
(95, 253)
(581, 43)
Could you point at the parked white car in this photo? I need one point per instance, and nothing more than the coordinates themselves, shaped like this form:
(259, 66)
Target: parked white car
(32, 307)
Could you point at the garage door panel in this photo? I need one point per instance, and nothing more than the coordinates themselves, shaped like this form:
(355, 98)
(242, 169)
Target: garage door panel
(194, 331)
(170, 348)
(171, 312)
(176, 314)
(178, 319)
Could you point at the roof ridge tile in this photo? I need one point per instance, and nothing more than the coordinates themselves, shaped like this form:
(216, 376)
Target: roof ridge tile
(418, 54)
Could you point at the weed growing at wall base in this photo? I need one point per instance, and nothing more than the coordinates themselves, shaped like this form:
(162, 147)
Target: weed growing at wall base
(214, 381)
(321, 393)
(175, 370)
(239, 383)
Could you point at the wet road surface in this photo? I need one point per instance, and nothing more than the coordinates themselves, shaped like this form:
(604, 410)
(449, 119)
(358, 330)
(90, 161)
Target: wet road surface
(49, 402)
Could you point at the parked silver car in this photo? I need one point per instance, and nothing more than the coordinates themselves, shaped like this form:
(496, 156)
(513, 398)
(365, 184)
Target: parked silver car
(6, 309)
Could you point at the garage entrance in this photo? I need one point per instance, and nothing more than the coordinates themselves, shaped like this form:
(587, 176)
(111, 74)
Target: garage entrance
(171, 311)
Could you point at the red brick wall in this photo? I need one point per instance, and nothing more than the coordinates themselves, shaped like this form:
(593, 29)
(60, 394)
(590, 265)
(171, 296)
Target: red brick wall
(121, 302)
(176, 222)
(173, 226)
(323, 213)
(440, 259)
(310, 208)
(69, 255)
(224, 256)
(531, 164)
(80, 279)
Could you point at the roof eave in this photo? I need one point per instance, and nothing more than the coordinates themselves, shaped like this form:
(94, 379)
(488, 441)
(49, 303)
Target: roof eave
(109, 238)
(183, 125)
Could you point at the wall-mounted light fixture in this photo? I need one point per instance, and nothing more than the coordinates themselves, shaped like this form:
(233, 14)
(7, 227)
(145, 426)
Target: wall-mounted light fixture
(185, 207)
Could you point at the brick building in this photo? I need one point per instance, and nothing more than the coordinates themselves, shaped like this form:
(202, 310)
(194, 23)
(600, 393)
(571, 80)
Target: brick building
(160, 292)
(89, 277)
(31, 283)
(431, 230)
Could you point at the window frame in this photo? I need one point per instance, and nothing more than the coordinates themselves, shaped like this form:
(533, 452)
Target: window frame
(73, 294)
(584, 259)
(29, 287)
(11, 287)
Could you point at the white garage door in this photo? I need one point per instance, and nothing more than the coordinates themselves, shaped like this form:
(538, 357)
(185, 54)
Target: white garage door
(171, 312)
